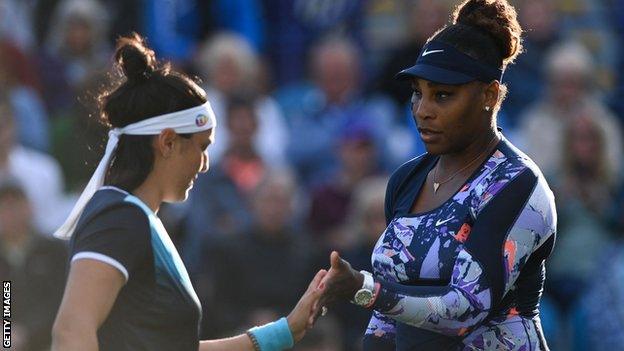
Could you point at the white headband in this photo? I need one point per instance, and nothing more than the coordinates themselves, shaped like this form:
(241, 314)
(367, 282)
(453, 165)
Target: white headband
(192, 120)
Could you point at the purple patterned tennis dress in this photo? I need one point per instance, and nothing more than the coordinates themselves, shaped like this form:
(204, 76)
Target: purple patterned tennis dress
(467, 275)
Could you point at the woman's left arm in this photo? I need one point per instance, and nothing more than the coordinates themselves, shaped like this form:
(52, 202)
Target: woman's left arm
(511, 221)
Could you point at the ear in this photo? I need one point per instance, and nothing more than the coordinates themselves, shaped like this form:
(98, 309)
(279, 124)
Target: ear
(164, 143)
(490, 95)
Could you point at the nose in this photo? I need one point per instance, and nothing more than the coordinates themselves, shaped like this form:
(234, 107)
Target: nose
(205, 162)
(422, 109)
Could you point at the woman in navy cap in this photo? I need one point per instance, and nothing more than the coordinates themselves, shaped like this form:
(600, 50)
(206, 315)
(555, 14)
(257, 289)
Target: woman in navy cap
(471, 222)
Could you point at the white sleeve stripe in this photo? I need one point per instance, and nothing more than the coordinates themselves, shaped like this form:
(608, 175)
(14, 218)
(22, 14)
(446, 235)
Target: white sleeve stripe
(102, 258)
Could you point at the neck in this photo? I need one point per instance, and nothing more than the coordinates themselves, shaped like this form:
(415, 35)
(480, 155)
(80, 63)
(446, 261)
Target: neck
(150, 194)
(477, 149)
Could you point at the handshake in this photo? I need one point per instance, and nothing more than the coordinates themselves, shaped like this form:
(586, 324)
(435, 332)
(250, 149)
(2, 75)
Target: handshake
(340, 283)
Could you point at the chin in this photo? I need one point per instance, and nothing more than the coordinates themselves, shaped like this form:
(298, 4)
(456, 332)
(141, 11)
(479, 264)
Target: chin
(178, 197)
(434, 149)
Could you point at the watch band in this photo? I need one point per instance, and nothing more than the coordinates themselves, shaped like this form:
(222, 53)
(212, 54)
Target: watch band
(369, 282)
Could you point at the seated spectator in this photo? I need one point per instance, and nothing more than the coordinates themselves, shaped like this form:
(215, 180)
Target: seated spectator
(570, 88)
(591, 23)
(35, 266)
(219, 205)
(364, 224)
(19, 83)
(525, 78)
(75, 52)
(293, 26)
(38, 174)
(229, 66)
(583, 191)
(330, 202)
(73, 63)
(319, 110)
(234, 285)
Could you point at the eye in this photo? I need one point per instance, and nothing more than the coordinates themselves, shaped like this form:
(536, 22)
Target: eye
(416, 95)
(443, 95)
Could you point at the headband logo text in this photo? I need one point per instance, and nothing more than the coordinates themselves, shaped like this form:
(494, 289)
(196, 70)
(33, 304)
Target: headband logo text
(201, 120)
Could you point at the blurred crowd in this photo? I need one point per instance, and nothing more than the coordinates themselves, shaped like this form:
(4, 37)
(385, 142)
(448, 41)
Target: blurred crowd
(311, 124)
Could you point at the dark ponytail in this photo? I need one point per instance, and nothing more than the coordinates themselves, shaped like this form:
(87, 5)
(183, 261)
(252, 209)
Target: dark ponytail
(144, 88)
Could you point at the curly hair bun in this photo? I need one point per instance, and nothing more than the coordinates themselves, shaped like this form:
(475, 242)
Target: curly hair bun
(136, 60)
(497, 18)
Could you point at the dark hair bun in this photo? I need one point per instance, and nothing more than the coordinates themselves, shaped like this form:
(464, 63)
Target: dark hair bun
(496, 17)
(136, 60)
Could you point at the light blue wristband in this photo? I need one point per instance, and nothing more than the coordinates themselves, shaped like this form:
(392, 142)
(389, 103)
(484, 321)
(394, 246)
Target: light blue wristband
(274, 336)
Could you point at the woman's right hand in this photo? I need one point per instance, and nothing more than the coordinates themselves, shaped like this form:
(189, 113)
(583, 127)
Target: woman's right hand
(341, 282)
(302, 317)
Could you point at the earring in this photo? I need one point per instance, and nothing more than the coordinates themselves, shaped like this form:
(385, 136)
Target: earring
(487, 108)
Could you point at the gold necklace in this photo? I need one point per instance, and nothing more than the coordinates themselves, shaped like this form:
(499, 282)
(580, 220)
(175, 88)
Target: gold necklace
(436, 185)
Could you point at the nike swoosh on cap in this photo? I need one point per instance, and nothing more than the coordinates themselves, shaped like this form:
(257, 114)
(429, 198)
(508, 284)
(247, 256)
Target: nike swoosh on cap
(425, 53)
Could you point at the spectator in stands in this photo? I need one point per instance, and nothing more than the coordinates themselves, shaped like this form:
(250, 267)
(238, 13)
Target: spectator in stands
(272, 244)
(365, 221)
(570, 88)
(20, 85)
(319, 110)
(230, 66)
(331, 201)
(293, 26)
(35, 266)
(38, 174)
(583, 191)
(526, 76)
(72, 66)
(220, 205)
(75, 52)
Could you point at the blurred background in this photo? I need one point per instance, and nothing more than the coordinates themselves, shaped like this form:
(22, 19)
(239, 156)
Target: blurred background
(311, 124)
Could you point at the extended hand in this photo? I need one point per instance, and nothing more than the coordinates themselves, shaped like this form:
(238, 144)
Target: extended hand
(301, 318)
(341, 282)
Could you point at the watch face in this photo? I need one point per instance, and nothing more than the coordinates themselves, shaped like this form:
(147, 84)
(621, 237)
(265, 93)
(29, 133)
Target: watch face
(363, 297)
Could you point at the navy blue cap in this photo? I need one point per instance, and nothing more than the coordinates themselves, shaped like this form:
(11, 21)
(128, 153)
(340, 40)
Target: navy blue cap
(442, 63)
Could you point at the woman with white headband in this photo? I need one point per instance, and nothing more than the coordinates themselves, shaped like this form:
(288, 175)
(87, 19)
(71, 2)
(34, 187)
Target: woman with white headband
(127, 288)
